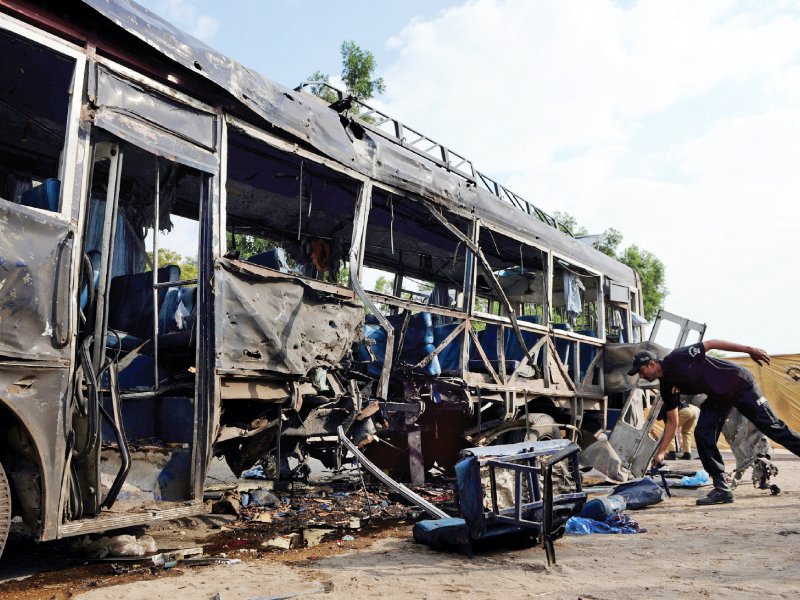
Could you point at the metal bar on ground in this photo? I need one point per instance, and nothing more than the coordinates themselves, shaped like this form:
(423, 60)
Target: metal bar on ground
(388, 481)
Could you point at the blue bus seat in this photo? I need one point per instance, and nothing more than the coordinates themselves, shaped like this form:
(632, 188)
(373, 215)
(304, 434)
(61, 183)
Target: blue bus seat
(450, 355)
(588, 352)
(272, 259)
(417, 344)
(130, 307)
(480, 520)
(44, 195)
(94, 258)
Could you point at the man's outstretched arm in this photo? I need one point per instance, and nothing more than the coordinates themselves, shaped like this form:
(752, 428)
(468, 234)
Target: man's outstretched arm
(757, 354)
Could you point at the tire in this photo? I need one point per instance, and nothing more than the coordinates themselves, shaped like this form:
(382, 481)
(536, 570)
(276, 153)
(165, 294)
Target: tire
(5, 509)
(541, 427)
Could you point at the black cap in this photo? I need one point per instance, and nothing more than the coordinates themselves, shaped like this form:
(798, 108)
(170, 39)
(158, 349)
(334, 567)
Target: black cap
(639, 359)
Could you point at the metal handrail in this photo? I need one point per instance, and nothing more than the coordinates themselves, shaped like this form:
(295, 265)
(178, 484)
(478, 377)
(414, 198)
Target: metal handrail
(399, 133)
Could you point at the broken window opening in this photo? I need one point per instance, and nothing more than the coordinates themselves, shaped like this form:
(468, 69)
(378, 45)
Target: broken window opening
(418, 268)
(35, 84)
(575, 299)
(520, 269)
(414, 257)
(288, 214)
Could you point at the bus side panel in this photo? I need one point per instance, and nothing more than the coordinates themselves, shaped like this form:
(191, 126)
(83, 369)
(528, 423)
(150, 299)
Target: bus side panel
(32, 446)
(281, 325)
(35, 257)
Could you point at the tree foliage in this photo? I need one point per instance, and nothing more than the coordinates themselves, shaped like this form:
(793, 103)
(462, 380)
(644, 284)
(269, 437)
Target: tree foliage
(652, 275)
(187, 264)
(358, 68)
(570, 222)
(649, 267)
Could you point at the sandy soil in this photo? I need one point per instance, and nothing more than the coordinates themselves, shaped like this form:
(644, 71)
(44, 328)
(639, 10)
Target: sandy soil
(747, 549)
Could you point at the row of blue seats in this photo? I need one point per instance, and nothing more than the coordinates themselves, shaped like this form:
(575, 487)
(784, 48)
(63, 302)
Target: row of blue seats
(422, 338)
(130, 315)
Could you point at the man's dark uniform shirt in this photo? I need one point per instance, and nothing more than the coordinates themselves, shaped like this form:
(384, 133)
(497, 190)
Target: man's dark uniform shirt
(689, 371)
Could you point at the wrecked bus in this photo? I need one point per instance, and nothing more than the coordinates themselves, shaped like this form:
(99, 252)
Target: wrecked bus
(198, 262)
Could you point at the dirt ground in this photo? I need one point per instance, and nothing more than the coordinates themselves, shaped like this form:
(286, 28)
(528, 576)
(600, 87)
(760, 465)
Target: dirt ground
(746, 549)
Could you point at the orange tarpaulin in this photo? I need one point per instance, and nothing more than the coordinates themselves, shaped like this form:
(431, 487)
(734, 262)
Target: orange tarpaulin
(780, 382)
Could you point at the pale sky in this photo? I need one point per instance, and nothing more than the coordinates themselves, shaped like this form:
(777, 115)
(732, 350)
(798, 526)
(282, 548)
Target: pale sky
(677, 123)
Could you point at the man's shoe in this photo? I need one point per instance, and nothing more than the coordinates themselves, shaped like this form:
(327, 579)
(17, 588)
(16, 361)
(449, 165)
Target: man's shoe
(716, 496)
(670, 456)
(686, 456)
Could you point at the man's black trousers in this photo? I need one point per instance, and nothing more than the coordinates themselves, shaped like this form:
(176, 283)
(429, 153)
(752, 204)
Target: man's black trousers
(753, 407)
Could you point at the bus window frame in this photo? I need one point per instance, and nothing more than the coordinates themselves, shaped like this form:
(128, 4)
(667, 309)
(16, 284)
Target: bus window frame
(282, 145)
(72, 138)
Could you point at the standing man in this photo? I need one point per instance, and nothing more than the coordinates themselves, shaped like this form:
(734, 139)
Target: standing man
(690, 371)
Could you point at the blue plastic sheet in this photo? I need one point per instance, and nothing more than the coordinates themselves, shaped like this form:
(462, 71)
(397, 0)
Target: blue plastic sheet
(620, 523)
(699, 478)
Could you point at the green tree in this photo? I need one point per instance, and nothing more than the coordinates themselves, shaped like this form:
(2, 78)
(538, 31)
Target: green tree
(188, 264)
(358, 67)
(652, 275)
(248, 245)
(570, 222)
(383, 285)
(322, 91)
(609, 242)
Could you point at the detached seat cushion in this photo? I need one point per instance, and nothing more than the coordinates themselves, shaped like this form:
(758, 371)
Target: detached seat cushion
(443, 534)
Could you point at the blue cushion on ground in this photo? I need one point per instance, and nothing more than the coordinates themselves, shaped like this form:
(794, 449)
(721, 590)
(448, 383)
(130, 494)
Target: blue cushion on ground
(470, 494)
(441, 533)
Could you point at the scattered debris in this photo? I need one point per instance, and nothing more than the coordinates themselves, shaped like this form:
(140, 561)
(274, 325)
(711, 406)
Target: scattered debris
(117, 546)
(285, 542)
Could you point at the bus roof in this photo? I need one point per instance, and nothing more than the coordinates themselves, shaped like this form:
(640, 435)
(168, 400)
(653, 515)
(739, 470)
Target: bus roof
(306, 118)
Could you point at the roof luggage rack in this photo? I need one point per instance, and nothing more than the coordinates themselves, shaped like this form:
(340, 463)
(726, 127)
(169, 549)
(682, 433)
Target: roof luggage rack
(399, 133)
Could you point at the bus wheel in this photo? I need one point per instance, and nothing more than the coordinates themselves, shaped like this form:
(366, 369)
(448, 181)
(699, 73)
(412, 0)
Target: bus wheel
(541, 427)
(5, 508)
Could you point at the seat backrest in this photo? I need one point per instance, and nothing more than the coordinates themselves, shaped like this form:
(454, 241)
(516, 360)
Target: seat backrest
(94, 258)
(272, 259)
(450, 356)
(470, 495)
(130, 306)
(43, 196)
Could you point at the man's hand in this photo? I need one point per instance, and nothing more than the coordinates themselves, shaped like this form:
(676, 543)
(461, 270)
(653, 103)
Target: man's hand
(758, 355)
(658, 459)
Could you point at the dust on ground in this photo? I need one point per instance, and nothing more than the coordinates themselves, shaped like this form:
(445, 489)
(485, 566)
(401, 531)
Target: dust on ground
(742, 550)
